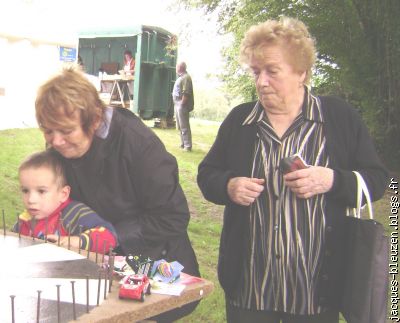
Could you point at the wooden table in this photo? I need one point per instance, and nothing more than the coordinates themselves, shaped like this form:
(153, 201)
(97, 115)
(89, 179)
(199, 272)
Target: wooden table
(114, 310)
(119, 88)
(111, 309)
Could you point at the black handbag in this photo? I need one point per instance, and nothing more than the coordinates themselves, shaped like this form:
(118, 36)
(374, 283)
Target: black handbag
(366, 277)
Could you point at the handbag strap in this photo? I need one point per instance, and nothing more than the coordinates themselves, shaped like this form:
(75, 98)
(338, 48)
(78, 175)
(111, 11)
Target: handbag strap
(362, 190)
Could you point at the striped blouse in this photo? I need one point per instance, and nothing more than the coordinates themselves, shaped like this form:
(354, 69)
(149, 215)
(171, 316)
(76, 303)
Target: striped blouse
(284, 254)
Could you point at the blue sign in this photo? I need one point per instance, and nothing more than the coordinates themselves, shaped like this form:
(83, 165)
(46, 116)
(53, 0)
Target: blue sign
(67, 54)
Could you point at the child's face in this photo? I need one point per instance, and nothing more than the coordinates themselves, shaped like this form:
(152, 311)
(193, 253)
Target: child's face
(41, 193)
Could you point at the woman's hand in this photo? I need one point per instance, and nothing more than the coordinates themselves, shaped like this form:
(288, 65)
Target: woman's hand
(310, 181)
(244, 190)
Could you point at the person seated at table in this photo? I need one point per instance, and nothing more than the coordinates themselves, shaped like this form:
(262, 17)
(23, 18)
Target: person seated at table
(129, 63)
(50, 211)
(120, 168)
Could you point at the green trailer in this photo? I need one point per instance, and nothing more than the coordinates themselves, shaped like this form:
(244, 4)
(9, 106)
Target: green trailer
(155, 52)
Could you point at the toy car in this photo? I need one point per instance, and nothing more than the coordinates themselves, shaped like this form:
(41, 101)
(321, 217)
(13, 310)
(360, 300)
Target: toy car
(135, 286)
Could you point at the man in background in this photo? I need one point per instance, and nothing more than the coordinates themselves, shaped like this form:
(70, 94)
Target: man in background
(182, 96)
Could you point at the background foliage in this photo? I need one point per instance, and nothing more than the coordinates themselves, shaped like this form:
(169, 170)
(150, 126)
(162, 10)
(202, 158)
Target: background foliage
(358, 44)
(212, 104)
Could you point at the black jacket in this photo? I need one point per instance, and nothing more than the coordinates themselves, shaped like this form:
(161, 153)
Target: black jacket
(132, 181)
(349, 148)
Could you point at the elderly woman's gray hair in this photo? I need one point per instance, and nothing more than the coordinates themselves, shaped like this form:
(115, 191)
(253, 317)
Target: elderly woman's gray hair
(290, 34)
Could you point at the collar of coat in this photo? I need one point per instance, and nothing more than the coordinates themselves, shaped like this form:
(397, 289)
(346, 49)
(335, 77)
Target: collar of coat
(311, 110)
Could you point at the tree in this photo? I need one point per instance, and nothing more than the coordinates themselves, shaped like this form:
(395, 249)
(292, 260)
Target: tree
(358, 44)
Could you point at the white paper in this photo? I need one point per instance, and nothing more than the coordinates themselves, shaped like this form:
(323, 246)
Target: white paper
(44, 252)
(167, 289)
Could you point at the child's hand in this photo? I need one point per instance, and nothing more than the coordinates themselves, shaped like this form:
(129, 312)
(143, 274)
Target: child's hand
(52, 238)
(74, 240)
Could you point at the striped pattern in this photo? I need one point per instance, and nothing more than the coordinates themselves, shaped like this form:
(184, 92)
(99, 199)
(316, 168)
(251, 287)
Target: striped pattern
(73, 214)
(286, 243)
(80, 220)
(71, 218)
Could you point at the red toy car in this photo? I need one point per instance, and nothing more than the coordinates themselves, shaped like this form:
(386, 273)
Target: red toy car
(135, 286)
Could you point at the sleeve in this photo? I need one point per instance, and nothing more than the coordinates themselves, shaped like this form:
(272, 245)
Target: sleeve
(362, 157)
(95, 233)
(98, 239)
(186, 85)
(213, 171)
(133, 62)
(163, 212)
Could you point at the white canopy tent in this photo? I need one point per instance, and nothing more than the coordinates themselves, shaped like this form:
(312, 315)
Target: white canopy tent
(25, 63)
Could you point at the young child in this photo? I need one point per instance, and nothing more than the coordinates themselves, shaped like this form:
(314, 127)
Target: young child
(50, 211)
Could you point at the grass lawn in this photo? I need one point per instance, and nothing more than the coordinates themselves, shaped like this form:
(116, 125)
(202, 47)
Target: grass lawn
(206, 222)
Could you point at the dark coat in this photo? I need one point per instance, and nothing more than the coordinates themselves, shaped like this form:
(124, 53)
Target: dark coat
(132, 181)
(349, 148)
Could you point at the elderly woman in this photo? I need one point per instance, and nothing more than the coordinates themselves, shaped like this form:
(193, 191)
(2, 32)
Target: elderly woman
(280, 245)
(119, 167)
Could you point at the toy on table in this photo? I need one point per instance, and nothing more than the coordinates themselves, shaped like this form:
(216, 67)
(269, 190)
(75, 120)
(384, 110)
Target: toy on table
(166, 272)
(139, 263)
(121, 268)
(135, 286)
(165, 269)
